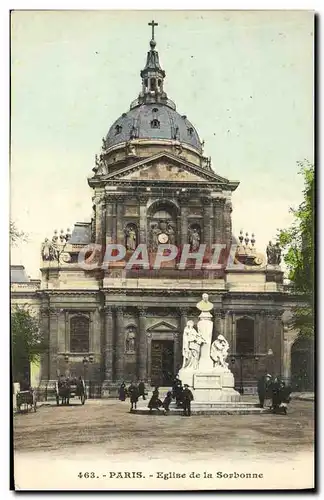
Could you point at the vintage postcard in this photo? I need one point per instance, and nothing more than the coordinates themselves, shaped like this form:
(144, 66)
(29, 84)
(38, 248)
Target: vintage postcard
(162, 234)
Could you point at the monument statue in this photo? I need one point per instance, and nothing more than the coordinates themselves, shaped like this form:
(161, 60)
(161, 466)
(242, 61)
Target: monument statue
(204, 305)
(273, 254)
(219, 351)
(204, 367)
(195, 340)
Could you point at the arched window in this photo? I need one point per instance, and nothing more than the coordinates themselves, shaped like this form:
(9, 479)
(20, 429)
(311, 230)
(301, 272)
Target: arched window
(79, 333)
(245, 336)
(118, 129)
(155, 123)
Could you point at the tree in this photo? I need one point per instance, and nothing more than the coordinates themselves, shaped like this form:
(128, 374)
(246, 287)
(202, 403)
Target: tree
(15, 234)
(27, 341)
(298, 245)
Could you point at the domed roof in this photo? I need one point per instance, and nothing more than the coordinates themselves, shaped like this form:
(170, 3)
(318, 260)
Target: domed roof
(153, 121)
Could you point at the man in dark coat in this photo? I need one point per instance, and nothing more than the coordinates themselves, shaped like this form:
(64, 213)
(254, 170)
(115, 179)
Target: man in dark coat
(187, 397)
(141, 389)
(177, 390)
(133, 394)
(155, 402)
(122, 391)
(263, 388)
(167, 401)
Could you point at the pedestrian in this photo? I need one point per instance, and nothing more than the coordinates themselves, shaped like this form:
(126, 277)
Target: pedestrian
(141, 389)
(187, 397)
(177, 390)
(263, 388)
(276, 388)
(133, 394)
(166, 402)
(122, 391)
(155, 402)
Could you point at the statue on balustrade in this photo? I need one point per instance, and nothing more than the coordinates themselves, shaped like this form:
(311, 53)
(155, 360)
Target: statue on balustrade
(273, 254)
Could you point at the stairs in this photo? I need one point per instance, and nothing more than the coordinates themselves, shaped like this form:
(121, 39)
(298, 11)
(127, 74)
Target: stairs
(203, 408)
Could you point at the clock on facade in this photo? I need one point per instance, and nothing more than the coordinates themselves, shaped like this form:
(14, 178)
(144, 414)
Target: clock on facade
(163, 238)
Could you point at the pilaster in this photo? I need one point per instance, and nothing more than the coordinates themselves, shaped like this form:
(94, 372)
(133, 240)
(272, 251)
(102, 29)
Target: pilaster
(120, 344)
(142, 344)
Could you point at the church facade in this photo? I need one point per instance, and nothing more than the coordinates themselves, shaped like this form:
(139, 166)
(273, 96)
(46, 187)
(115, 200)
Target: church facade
(109, 318)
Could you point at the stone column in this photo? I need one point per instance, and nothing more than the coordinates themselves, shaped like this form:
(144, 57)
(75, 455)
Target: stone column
(120, 344)
(149, 356)
(110, 219)
(184, 221)
(207, 222)
(109, 343)
(100, 222)
(227, 222)
(218, 220)
(61, 331)
(218, 326)
(120, 239)
(53, 342)
(143, 199)
(45, 358)
(178, 346)
(142, 344)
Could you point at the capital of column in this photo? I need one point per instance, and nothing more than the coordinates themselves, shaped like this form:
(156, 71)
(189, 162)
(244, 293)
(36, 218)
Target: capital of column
(143, 198)
(142, 311)
(184, 311)
(109, 310)
(120, 310)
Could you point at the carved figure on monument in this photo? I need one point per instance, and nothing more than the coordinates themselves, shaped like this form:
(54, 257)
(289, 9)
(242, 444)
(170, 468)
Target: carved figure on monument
(195, 341)
(219, 351)
(130, 340)
(185, 343)
(204, 305)
(131, 237)
(194, 239)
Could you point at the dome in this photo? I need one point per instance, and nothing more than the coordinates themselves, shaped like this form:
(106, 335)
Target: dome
(153, 121)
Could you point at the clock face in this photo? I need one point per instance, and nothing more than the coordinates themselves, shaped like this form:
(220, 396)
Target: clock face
(163, 238)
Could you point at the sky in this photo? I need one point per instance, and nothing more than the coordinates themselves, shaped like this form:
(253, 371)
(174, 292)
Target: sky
(243, 78)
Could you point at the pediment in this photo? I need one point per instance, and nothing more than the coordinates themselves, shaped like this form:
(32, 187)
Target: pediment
(168, 168)
(162, 326)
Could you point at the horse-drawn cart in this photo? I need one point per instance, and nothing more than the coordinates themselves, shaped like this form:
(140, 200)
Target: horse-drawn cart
(70, 388)
(26, 400)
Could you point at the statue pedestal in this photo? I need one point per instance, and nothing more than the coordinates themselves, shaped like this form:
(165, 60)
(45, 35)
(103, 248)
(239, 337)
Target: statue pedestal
(210, 386)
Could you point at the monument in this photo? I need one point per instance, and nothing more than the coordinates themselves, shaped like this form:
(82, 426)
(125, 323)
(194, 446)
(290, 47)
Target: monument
(204, 366)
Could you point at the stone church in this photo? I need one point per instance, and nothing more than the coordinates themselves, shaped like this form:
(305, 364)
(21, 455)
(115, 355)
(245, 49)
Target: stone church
(153, 185)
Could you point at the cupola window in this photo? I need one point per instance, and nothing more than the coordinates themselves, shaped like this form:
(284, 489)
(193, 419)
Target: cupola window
(155, 123)
(190, 131)
(155, 110)
(152, 84)
(118, 129)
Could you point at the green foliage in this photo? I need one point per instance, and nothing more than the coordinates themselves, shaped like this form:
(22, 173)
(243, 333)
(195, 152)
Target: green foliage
(27, 341)
(15, 234)
(298, 243)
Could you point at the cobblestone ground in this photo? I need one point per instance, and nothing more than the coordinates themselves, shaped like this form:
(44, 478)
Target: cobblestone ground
(107, 429)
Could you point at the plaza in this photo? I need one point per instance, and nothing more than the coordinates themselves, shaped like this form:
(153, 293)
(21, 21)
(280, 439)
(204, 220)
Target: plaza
(103, 438)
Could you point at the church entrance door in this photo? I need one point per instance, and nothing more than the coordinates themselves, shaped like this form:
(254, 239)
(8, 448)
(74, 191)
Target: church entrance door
(162, 362)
